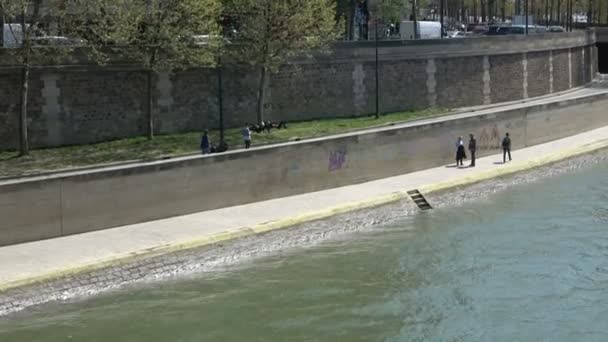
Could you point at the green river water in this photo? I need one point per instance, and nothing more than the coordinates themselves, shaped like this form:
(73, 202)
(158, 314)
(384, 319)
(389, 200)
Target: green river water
(526, 264)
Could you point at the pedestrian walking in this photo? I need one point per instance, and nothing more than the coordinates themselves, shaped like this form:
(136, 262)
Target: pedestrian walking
(460, 152)
(506, 148)
(246, 133)
(472, 148)
(205, 145)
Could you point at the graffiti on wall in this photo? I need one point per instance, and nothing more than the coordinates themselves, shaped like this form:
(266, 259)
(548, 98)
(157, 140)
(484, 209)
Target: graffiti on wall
(337, 159)
(489, 139)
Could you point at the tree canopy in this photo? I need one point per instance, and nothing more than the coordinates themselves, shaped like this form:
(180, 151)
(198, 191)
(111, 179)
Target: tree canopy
(270, 32)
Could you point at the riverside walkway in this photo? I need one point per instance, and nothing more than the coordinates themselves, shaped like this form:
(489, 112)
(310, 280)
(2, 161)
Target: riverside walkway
(33, 262)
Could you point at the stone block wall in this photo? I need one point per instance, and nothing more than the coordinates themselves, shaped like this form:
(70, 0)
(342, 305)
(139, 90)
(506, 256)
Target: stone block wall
(578, 75)
(94, 105)
(90, 104)
(404, 85)
(538, 74)
(506, 74)
(561, 70)
(86, 201)
(9, 108)
(310, 91)
(459, 81)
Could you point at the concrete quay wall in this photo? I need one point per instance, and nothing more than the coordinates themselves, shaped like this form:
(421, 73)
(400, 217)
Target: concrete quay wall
(82, 104)
(64, 204)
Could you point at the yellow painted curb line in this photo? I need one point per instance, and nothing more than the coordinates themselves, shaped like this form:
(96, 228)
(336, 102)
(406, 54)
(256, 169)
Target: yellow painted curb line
(202, 241)
(318, 215)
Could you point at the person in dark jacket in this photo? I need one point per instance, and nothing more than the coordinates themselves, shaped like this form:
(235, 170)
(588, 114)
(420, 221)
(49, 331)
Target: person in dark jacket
(460, 152)
(506, 148)
(205, 145)
(472, 148)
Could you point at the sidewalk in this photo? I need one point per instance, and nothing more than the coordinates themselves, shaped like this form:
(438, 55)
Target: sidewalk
(45, 260)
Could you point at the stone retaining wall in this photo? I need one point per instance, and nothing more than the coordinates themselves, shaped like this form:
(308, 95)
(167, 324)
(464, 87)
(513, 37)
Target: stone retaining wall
(71, 203)
(84, 104)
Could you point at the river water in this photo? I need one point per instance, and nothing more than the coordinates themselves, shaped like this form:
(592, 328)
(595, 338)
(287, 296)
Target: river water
(526, 264)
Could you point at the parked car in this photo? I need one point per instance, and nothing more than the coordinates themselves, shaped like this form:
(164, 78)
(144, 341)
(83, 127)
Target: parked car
(457, 34)
(204, 39)
(56, 41)
(521, 29)
(556, 29)
(471, 27)
(513, 30)
(496, 30)
(480, 29)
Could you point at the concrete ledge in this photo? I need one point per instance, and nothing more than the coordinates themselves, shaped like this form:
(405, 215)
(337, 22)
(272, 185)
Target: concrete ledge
(78, 202)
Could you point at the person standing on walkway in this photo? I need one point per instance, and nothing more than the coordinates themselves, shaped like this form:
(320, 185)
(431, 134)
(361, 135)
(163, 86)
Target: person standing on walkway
(460, 152)
(205, 145)
(472, 148)
(246, 133)
(506, 148)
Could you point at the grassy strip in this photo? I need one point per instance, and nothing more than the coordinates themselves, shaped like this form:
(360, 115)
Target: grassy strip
(140, 148)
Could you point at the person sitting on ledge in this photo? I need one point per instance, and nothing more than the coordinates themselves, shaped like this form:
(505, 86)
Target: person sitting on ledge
(267, 126)
(256, 128)
(222, 147)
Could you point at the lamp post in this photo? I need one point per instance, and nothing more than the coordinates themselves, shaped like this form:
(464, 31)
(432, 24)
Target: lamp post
(570, 14)
(527, 2)
(441, 10)
(414, 19)
(1, 26)
(220, 95)
(377, 115)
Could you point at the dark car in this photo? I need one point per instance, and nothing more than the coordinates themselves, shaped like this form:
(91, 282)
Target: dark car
(513, 30)
(480, 29)
(496, 30)
(556, 29)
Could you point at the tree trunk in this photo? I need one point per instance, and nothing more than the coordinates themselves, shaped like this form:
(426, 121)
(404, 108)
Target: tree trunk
(261, 94)
(415, 19)
(1, 26)
(220, 98)
(150, 105)
(24, 147)
(475, 11)
(462, 12)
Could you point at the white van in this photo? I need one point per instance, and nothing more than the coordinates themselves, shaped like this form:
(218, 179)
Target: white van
(426, 30)
(13, 37)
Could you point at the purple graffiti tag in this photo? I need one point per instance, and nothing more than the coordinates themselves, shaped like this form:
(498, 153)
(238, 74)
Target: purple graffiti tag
(337, 159)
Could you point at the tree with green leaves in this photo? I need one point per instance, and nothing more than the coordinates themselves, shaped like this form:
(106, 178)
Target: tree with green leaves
(157, 35)
(392, 10)
(272, 32)
(25, 20)
(165, 40)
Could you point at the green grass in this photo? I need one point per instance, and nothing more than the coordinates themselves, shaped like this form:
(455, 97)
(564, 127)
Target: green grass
(140, 148)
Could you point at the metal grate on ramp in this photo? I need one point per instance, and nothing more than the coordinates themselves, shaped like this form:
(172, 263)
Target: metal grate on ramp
(419, 199)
